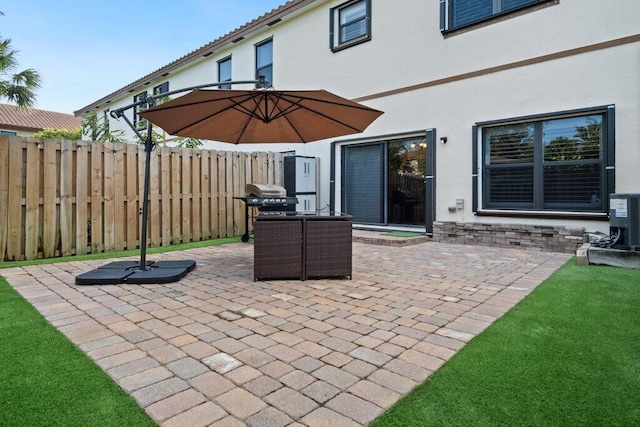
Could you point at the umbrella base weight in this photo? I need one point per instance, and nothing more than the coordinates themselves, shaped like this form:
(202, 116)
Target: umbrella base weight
(129, 272)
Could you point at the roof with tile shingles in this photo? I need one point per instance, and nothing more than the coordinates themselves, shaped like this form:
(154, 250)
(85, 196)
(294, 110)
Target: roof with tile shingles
(13, 117)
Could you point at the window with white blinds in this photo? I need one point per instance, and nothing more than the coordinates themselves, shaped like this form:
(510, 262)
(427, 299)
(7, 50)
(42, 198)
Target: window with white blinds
(550, 164)
(350, 24)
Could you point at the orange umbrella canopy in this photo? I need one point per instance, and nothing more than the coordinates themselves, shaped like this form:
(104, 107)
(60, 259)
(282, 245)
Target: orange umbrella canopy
(261, 116)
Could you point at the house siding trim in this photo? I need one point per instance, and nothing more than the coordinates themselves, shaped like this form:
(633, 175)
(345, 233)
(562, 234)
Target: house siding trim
(518, 64)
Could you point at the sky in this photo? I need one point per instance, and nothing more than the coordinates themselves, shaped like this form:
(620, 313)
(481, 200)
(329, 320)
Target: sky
(86, 49)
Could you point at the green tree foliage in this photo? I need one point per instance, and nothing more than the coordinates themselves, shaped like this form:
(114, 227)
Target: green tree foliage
(188, 142)
(19, 87)
(582, 145)
(510, 144)
(74, 134)
(97, 130)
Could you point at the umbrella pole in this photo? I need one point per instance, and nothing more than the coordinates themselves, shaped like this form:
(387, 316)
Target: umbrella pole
(148, 147)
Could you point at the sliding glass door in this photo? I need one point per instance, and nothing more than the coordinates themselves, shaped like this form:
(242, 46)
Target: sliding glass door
(385, 182)
(406, 181)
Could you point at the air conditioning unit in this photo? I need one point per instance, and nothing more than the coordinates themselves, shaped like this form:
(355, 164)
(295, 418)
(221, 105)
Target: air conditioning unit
(624, 220)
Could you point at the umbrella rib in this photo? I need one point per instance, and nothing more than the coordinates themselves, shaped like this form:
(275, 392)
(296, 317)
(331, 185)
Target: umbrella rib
(299, 105)
(283, 114)
(236, 106)
(250, 114)
(171, 107)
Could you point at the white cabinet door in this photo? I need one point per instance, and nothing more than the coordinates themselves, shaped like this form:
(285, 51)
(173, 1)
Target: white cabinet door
(310, 175)
(306, 203)
(305, 175)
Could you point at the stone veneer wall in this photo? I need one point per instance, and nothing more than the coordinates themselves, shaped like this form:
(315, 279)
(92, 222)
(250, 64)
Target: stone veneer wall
(531, 237)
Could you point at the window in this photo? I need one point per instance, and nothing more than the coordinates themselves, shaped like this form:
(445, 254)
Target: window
(160, 89)
(224, 72)
(550, 163)
(455, 14)
(264, 61)
(105, 119)
(138, 121)
(8, 133)
(350, 24)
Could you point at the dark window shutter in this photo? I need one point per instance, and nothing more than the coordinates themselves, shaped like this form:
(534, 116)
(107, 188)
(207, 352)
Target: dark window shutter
(474, 168)
(610, 153)
(430, 179)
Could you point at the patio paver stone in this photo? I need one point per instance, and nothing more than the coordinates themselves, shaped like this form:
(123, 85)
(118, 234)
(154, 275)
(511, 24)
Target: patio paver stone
(218, 349)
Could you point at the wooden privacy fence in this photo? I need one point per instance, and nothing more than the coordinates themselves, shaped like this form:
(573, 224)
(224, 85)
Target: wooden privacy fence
(60, 197)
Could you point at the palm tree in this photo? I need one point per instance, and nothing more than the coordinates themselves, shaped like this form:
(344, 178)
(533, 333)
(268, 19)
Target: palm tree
(19, 87)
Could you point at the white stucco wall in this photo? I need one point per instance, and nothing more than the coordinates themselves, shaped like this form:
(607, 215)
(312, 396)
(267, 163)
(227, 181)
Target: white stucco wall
(408, 49)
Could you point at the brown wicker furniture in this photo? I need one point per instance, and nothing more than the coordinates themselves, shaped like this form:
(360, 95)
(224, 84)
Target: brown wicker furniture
(278, 249)
(290, 245)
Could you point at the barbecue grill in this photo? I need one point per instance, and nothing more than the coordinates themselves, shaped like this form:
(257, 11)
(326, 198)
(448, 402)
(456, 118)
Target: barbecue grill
(267, 198)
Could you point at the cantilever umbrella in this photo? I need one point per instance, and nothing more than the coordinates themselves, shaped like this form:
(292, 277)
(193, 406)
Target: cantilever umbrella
(261, 116)
(236, 116)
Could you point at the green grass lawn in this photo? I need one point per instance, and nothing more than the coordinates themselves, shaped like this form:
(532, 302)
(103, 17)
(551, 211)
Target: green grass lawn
(569, 354)
(120, 254)
(402, 234)
(45, 379)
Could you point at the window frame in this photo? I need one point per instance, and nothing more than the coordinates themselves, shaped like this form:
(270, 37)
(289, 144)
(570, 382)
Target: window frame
(335, 42)
(161, 88)
(480, 176)
(447, 11)
(138, 122)
(260, 67)
(105, 119)
(220, 62)
(8, 133)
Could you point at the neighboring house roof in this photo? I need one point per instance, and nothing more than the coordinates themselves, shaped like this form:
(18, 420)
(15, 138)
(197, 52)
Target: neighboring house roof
(12, 117)
(268, 19)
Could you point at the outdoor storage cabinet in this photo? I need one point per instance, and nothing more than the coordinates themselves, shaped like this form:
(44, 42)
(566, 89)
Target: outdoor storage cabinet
(300, 175)
(291, 245)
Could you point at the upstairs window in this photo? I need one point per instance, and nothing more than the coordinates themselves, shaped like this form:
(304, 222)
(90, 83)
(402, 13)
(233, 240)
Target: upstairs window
(264, 61)
(138, 121)
(105, 119)
(550, 164)
(350, 24)
(456, 14)
(160, 89)
(224, 72)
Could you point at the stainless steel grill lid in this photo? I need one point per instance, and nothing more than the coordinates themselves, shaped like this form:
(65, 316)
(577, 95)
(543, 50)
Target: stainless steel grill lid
(265, 190)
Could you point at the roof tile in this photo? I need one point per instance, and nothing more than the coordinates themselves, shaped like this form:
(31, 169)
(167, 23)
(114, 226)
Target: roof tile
(33, 119)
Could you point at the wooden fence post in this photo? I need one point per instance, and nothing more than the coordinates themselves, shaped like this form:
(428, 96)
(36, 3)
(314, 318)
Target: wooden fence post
(4, 195)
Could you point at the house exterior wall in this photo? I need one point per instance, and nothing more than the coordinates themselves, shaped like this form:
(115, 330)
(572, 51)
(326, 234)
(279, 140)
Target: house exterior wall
(559, 56)
(19, 132)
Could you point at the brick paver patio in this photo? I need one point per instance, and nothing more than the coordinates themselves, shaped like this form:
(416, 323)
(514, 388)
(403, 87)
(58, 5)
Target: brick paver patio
(219, 349)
